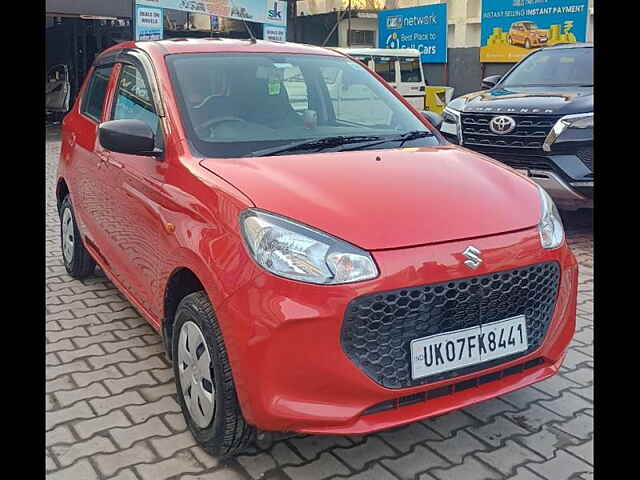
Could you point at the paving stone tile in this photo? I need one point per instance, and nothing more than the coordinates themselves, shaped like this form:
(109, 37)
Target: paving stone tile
(125, 437)
(324, 466)
(131, 368)
(87, 428)
(155, 393)
(457, 447)
(176, 422)
(77, 411)
(311, 445)
(142, 412)
(375, 472)
(580, 426)
(533, 417)
(122, 384)
(111, 359)
(563, 466)
(68, 356)
(508, 457)
(485, 411)
(446, 425)
(108, 464)
(166, 447)
(522, 398)
(69, 397)
(584, 451)
(547, 441)
(102, 338)
(567, 404)
(256, 465)
(86, 378)
(358, 456)
(470, 469)
(105, 405)
(283, 455)
(181, 463)
(81, 470)
(497, 431)
(67, 454)
(61, 383)
(418, 460)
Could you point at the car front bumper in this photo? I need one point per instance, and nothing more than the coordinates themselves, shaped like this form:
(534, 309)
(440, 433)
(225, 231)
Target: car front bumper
(292, 373)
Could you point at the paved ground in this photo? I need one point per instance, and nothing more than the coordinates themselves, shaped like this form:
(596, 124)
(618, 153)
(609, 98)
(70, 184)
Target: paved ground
(112, 413)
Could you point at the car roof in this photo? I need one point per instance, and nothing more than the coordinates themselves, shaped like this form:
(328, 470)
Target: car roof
(218, 45)
(559, 46)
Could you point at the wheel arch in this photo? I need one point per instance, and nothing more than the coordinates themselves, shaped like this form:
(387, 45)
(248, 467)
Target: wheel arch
(62, 190)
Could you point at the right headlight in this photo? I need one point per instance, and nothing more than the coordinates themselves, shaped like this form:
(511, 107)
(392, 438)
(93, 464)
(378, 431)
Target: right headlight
(580, 120)
(550, 226)
(451, 123)
(292, 250)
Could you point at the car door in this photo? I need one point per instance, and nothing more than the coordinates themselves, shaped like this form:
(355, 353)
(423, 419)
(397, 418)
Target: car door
(57, 89)
(135, 230)
(88, 184)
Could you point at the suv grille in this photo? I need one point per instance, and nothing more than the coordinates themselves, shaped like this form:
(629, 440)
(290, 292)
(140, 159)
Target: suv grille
(529, 134)
(529, 162)
(378, 328)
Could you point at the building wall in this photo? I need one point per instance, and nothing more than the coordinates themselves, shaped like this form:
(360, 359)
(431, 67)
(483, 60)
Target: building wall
(110, 8)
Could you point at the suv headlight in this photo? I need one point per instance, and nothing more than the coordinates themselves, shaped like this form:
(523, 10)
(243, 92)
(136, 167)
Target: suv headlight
(451, 123)
(550, 226)
(292, 250)
(580, 120)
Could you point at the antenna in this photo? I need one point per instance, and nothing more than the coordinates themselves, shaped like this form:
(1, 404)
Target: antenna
(253, 38)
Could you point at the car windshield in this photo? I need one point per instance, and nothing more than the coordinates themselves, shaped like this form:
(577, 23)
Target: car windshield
(548, 67)
(530, 26)
(235, 104)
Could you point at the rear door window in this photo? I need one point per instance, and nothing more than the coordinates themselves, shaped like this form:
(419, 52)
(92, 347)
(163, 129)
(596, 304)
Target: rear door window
(93, 100)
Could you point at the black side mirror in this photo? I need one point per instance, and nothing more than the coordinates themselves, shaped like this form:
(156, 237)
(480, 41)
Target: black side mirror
(490, 81)
(433, 117)
(128, 136)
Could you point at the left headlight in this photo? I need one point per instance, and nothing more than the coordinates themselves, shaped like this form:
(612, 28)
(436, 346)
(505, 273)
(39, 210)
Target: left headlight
(580, 120)
(550, 226)
(292, 250)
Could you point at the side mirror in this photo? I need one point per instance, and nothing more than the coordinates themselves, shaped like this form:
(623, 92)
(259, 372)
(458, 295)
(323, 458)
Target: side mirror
(128, 136)
(490, 81)
(433, 117)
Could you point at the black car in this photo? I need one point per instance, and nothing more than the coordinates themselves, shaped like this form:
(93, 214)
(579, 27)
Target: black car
(537, 118)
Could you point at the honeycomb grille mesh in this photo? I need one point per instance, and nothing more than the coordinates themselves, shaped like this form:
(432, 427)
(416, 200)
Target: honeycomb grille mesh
(378, 328)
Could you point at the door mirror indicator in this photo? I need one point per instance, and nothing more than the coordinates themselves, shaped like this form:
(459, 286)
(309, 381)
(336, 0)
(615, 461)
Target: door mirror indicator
(134, 137)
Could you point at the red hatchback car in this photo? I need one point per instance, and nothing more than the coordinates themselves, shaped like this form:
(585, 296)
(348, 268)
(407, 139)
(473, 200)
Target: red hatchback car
(316, 257)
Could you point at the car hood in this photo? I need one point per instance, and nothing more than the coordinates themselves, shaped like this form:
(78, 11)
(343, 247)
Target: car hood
(384, 199)
(540, 100)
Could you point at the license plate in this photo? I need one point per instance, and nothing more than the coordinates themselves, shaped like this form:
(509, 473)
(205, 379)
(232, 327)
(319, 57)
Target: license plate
(462, 348)
(450, 128)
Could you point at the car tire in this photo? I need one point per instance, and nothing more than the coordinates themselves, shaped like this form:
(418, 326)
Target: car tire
(527, 44)
(77, 260)
(220, 428)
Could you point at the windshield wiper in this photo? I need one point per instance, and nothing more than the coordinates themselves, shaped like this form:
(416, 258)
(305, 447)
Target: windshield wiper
(319, 143)
(402, 138)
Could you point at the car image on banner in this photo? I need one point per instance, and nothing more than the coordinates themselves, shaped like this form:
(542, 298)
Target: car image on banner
(511, 29)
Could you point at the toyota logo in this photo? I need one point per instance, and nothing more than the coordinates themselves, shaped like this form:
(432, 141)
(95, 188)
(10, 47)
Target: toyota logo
(502, 124)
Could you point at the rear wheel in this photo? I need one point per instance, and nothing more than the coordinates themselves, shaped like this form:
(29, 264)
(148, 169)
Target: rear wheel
(204, 381)
(77, 260)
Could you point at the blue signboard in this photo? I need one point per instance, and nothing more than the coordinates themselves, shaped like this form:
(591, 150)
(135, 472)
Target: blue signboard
(423, 28)
(511, 29)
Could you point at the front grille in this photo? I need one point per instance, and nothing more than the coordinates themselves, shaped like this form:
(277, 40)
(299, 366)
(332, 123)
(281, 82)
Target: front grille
(450, 389)
(378, 328)
(529, 162)
(529, 134)
(585, 154)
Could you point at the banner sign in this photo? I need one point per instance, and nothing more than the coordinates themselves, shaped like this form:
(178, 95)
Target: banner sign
(149, 24)
(261, 11)
(423, 28)
(274, 33)
(511, 29)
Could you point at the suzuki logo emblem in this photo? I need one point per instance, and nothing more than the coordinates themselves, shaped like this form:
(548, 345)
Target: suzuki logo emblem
(502, 124)
(473, 255)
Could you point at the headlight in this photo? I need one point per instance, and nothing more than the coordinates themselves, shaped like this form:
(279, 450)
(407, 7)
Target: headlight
(580, 120)
(550, 226)
(295, 251)
(451, 122)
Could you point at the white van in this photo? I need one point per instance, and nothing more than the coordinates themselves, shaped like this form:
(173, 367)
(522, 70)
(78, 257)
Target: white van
(400, 67)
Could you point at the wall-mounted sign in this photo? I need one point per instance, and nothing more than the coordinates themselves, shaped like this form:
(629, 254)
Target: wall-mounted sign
(423, 28)
(511, 29)
(261, 11)
(274, 33)
(149, 25)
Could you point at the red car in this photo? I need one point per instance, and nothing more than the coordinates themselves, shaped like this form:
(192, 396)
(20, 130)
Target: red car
(316, 257)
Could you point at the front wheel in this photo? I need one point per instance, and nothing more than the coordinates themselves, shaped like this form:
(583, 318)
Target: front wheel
(77, 260)
(204, 381)
(527, 44)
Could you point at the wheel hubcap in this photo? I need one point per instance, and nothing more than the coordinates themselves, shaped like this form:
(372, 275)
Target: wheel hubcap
(68, 239)
(194, 367)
